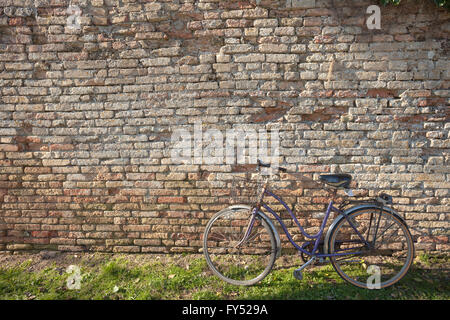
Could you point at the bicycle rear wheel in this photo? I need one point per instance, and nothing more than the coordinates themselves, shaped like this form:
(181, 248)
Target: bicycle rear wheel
(383, 260)
(239, 263)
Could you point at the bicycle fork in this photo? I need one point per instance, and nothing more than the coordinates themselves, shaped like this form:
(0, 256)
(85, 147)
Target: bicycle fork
(249, 228)
(254, 213)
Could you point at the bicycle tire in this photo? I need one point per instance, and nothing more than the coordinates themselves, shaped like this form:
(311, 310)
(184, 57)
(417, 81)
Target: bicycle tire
(212, 258)
(395, 219)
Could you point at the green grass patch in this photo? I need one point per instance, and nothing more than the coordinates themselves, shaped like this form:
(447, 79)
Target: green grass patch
(110, 277)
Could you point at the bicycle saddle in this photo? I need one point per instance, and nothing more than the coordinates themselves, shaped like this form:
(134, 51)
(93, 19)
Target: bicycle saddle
(339, 180)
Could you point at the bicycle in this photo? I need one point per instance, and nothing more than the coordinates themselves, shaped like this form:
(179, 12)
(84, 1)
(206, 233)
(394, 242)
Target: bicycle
(368, 244)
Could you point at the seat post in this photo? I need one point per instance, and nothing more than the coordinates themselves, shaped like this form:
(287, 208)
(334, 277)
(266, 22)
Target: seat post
(333, 194)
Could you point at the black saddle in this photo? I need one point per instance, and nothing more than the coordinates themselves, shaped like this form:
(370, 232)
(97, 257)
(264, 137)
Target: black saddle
(339, 180)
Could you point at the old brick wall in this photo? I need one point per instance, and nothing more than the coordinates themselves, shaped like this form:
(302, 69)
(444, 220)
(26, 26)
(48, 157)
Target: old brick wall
(87, 113)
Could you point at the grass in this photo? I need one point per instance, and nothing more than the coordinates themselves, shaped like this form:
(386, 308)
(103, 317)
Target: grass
(188, 277)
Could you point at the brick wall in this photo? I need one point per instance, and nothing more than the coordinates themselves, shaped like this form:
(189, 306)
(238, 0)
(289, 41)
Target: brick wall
(89, 102)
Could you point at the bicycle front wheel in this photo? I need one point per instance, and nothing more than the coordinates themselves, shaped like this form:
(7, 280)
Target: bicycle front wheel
(374, 249)
(234, 261)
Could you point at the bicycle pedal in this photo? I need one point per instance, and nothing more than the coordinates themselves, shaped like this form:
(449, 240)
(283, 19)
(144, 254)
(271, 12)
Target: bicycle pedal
(298, 275)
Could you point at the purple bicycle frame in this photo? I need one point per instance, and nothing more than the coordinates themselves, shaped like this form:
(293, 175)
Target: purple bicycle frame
(316, 236)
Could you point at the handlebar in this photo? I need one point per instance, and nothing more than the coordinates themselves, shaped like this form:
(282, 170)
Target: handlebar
(267, 165)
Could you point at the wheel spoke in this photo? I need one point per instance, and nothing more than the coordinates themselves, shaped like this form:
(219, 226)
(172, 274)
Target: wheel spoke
(389, 237)
(374, 240)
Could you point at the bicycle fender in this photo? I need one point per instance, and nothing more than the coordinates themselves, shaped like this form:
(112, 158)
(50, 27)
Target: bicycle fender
(265, 217)
(351, 210)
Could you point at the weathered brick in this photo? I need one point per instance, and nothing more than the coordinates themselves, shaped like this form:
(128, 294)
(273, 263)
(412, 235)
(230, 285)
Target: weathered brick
(264, 23)
(273, 48)
(155, 62)
(252, 57)
(282, 58)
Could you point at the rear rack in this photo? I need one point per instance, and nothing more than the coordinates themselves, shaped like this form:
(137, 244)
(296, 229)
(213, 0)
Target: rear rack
(382, 200)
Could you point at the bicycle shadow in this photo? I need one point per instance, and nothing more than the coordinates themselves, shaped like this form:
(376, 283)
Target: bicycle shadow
(325, 284)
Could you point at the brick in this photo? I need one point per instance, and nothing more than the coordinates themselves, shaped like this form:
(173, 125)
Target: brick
(312, 21)
(298, 48)
(282, 58)
(265, 23)
(376, 66)
(171, 200)
(292, 22)
(9, 147)
(253, 57)
(308, 75)
(255, 13)
(237, 48)
(155, 62)
(273, 48)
